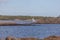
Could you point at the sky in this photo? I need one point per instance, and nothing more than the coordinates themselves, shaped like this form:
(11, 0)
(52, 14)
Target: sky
(30, 7)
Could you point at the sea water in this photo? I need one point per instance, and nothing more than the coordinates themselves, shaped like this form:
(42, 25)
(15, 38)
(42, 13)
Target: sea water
(38, 31)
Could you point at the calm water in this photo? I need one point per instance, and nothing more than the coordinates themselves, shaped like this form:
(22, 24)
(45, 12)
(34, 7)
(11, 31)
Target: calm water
(39, 31)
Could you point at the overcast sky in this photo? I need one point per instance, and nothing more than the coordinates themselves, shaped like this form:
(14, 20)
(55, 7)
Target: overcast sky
(30, 7)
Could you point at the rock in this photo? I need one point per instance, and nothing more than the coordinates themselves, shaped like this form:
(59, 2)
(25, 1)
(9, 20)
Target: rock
(10, 38)
(52, 38)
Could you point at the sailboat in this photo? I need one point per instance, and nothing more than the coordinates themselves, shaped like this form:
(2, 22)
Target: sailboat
(33, 20)
(26, 22)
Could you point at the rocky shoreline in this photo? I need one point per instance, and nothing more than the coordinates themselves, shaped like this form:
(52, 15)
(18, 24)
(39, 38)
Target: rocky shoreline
(39, 19)
(48, 38)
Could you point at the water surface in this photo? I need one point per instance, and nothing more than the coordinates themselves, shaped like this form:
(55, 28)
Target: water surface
(39, 31)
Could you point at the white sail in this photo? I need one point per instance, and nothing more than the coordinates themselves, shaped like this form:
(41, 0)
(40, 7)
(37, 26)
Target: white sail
(33, 20)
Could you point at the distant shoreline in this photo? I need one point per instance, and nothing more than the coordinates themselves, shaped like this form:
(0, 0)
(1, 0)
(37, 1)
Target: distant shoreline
(39, 19)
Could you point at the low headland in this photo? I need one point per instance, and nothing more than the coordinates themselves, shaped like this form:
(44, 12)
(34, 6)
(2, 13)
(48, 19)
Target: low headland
(39, 19)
